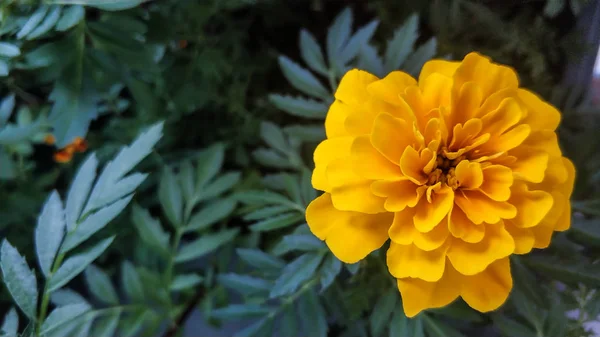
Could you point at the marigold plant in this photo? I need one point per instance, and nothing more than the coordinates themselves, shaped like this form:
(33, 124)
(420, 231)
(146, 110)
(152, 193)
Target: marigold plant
(460, 169)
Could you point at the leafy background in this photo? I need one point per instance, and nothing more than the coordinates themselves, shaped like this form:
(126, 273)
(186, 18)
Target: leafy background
(216, 106)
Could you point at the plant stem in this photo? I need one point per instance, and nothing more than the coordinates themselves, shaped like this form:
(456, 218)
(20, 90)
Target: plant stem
(46, 297)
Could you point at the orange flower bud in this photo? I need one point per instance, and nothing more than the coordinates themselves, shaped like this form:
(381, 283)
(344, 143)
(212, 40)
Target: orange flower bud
(49, 139)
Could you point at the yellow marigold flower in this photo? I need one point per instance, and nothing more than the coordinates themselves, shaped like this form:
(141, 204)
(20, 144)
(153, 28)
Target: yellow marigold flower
(460, 169)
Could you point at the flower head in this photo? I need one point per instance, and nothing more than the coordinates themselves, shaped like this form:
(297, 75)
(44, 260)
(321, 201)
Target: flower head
(65, 154)
(460, 169)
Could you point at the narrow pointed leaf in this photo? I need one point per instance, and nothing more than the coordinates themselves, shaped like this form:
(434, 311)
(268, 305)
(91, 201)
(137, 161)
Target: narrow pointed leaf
(49, 232)
(19, 279)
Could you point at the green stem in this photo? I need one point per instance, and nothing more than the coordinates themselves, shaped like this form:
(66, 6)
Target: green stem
(46, 296)
(332, 81)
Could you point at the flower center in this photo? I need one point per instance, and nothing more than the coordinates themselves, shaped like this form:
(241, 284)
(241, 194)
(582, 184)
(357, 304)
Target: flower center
(444, 172)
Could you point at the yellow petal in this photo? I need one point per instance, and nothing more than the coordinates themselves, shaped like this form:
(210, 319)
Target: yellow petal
(430, 214)
(530, 165)
(326, 152)
(462, 134)
(544, 140)
(390, 87)
(497, 180)
(350, 235)
(419, 295)
(412, 164)
(433, 239)
(504, 117)
(443, 67)
(489, 289)
(508, 140)
(436, 90)
(479, 208)
(523, 237)
(469, 174)
(352, 89)
(543, 234)
(540, 115)
(467, 103)
(398, 194)
(410, 261)
(472, 258)
(489, 76)
(351, 192)
(335, 119)
(462, 228)
(371, 164)
(403, 230)
(532, 206)
(391, 135)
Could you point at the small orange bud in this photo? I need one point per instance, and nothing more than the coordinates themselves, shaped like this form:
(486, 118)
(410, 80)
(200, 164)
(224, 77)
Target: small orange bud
(49, 139)
(63, 156)
(183, 44)
(79, 144)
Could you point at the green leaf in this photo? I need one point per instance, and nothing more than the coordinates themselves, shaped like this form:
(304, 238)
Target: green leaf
(4, 70)
(380, 316)
(437, 328)
(100, 285)
(9, 50)
(171, 200)
(149, 229)
(220, 185)
(508, 327)
(240, 311)
(210, 162)
(299, 106)
(271, 158)
(424, 53)
(19, 279)
(66, 296)
(61, 316)
(211, 214)
(337, 36)
(298, 242)
(8, 169)
(70, 17)
(273, 135)
(329, 271)
(265, 212)
(313, 315)
(245, 284)
(207, 243)
(76, 264)
(80, 188)
(260, 259)
(566, 271)
(94, 223)
(277, 222)
(401, 44)
(132, 284)
(254, 197)
(402, 326)
(186, 180)
(133, 324)
(106, 326)
(112, 175)
(302, 79)
(48, 23)
(357, 41)
(10, 325)
(306, 133)
(33, 21)
(6, 108)
(260, 328)
(586, 231)
(311, 52)
(185, 281)
(554, 7)
(49, 232)
(107, 5)
(288, 324)
(295, 273)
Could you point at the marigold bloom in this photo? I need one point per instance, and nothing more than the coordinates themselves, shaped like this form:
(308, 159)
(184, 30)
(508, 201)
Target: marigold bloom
(460, 169)
(66, 154)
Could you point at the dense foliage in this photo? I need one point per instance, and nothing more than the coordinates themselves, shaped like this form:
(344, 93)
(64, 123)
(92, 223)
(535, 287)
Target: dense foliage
(222, 103)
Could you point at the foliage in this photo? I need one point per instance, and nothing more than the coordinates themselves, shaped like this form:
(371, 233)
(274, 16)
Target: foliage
(217, 226)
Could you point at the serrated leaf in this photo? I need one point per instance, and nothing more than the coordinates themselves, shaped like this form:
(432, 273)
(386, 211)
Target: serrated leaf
(244, 284)
(80, 189)
(7, 106)
(329, 271)
(132, 284)
(8, 168)
(273, 135)
(302, 79)
(313, 314)
(424, 53)
(255, 197)
(49, 21)
(33, 21)
(260, 259)
(259, 328)
(100, 285)
(220, 185)
(133, 324)
(66, 296)
(510, 327)
(9, 50)
(337, 36)
(10, 325)
(554, 7)
(107, 5)
(381, 314)
(240, 311)
(298, 242)
(437, 328)
(311, 52)
(210, 162)
(49, 232)
(149, 229)
(211, 213)
(295, 273)
(288, 324)
(271, 158)
(568, 272)
(106, 326)
(185, 281)
(299, 106)
(76, 264)
(401, 44)
(19, 279)
(265, 212)
(61, 316)
(207, 243)
(186, 180)
(125, 161)
(171, 200)
(277, 222)
(70, 17)
(306, 133)
(94, 223)
(4, 70)
(402, 326)
(357, 41)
